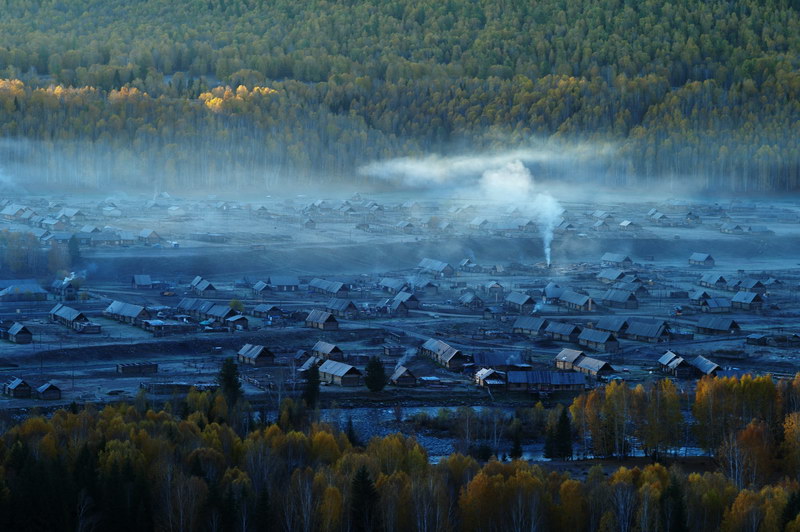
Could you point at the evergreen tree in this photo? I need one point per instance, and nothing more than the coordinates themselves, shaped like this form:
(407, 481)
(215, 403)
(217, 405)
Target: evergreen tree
(363, 502)
(351, 433)
(228, 380)
(673, 508)
(375, 377)
(563, 436)
(311, 391)
(74, 251)
(516, 449)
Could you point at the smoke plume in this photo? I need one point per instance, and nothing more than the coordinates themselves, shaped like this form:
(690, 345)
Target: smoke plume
(513, 184)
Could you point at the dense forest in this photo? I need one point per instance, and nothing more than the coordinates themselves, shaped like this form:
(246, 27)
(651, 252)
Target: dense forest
(250, 92)
(204, 462)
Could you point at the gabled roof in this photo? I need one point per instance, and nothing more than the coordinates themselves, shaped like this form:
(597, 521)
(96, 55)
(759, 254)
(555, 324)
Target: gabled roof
(615, 324)
(716, 303)
(320, 316)
(530, 323)
(518, 298)
(569, 355)
(433, 265)
(704, 365)
(611, 274)
(619, 296)
(128, 310)
(615, 257)
(700, 257)
(468, 298)
(264, 307)
(747, 298)
(564, 329)
(323, 285)
(142, 279)
(67, 313)
(338, 369)
(401, 371)
(647, 329)
(18, 328)
(750, 283)
(717, 323)
(667, 357)
(713, 278)
(575, 298)
(325, 348)
(405, 296)
(592, 364)
(341, 305)
(552, 290)
(595, 336)
(392, 283)
(254, 351)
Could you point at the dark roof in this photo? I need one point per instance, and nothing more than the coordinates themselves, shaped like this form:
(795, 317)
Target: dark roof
(18, 328)
(337, 369)
(433, 265)
(615, 257)
(67, 313)
(283, 280)
(646, 329)
(575, 298)
(552, 290)
(746, 297)
(392, 283)
(323, 285)
(530, 323)
(518, 298)
(557, 327)
(717, 323)
(619, 296)
(611, 274)
(341, 305)
(704, 365)
(554, 378)
(319, 316)
(569, 355)
(595, 336)
(128, 310)
(326, 348)
(612, 323)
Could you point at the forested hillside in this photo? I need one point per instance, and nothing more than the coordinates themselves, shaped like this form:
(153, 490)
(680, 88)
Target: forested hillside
(102, 88)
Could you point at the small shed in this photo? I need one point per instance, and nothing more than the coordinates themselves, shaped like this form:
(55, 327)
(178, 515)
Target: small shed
(48, 392)
(703, 260)
(402, 376)
(19, 334)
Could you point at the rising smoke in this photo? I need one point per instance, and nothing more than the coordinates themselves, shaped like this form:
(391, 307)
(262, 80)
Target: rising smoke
(513, 184)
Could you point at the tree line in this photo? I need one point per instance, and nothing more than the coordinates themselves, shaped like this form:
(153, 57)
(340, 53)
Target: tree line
(201, 462)
(162, 93)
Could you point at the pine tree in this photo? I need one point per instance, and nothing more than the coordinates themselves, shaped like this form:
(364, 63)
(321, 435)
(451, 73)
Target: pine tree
(563, 436)
(74, 251)
(228, 380)
(375, 377)
(363, 502)
(311, 391)
(516, 449)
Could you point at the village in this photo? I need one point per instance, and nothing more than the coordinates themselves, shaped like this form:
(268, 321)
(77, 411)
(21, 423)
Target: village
(455, 297)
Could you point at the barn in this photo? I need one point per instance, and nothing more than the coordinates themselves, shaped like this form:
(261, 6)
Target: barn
(339, 373)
